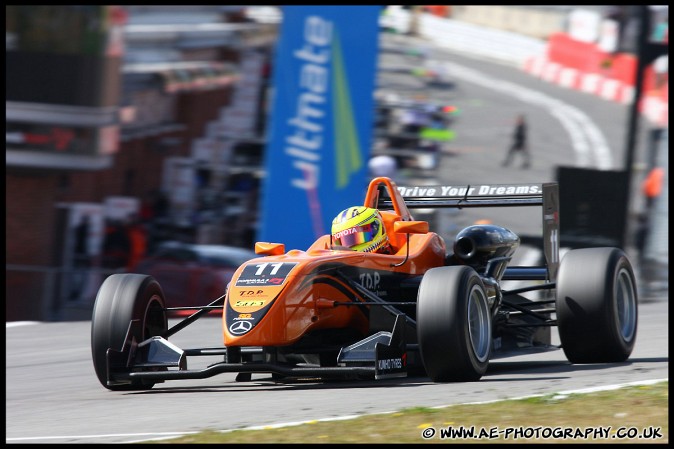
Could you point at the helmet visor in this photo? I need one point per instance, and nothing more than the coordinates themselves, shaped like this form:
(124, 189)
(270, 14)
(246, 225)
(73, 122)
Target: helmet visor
(355, 235)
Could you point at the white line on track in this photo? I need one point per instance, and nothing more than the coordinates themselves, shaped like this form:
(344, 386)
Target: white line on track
(166, 435)
(20, 323)
(513, 49)
(587, 139)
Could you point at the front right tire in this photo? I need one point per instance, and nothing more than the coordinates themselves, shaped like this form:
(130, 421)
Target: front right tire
(122, 298)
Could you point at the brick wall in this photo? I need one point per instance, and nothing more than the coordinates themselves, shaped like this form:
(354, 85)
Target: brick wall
(29, 215)
(32, 199)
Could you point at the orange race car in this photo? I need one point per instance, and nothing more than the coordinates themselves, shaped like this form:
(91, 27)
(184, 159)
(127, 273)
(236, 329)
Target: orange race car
(331, 312)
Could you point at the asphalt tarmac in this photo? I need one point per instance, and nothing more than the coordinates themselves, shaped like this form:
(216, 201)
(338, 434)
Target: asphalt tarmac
(567, 128)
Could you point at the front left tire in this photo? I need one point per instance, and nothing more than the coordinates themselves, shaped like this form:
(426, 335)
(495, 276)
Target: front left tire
(454, 325)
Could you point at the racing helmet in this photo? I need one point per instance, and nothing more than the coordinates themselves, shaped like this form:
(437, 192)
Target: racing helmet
(359, 228)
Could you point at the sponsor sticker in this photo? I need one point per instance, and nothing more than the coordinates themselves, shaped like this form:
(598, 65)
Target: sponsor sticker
(258, 285)
(262, 274)
(445, 191)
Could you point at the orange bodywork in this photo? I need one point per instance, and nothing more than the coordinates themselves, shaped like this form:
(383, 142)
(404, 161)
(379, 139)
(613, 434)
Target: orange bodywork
(277, 299)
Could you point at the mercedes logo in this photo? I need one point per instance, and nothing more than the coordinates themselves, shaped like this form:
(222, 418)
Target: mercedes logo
(240, 327)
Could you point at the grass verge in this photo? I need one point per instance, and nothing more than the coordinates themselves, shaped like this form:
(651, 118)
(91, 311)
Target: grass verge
(627, 415)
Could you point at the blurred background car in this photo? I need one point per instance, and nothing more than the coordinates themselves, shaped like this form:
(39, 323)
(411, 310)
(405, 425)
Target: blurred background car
(192, 274)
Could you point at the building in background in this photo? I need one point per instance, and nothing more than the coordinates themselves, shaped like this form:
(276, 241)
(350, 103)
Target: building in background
(98, 100)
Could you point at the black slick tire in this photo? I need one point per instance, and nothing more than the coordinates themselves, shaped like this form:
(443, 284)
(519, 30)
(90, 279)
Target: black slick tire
(453, 324)
(121, 299)
(597, 305)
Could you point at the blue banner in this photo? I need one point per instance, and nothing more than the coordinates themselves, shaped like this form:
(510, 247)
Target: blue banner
(321, 120)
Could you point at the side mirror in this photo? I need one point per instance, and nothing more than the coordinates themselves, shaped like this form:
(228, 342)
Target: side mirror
(410, 227)
(269, 249)
(407, 228)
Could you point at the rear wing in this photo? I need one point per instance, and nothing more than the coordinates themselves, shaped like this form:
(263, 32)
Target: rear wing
(545, 195)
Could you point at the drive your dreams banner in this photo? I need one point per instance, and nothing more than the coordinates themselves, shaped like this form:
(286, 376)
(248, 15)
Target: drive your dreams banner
(320, 121)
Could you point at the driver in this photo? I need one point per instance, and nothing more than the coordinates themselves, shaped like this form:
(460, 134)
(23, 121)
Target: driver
(360, 228)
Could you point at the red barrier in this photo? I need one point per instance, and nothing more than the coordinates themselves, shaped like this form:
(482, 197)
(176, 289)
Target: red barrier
(587, 58)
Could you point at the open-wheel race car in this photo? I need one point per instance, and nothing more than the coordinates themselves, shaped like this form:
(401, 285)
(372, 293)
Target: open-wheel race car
(331, 312)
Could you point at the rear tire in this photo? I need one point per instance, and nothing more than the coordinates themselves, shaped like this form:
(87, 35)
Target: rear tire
(596, 305)
(121, 299)
(454, 326)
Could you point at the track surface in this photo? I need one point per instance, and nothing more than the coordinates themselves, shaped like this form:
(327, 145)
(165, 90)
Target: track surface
(53, 395)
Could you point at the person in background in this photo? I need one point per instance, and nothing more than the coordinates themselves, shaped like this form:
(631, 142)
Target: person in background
(651, 188)
(640, 236)
(652, 185)
(383, 165)
(519, 144)
(661, 31)
(116, 245)
(137, 236)
(81, 258)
